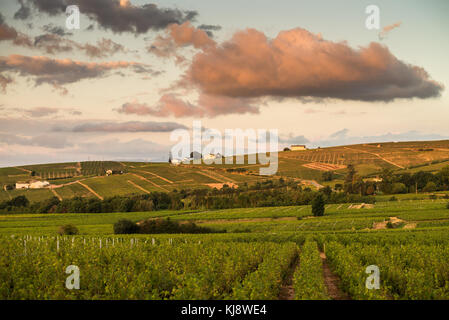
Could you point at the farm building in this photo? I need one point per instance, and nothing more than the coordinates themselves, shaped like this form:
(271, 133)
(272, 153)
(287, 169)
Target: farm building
(298, 147)
(39, 184)
(22, 185)
(212, 156)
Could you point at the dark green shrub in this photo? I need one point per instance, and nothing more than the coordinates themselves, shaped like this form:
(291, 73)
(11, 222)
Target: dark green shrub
(318, 205)
(19, 201)
(153, 226)
(124, 226)
(67, 230)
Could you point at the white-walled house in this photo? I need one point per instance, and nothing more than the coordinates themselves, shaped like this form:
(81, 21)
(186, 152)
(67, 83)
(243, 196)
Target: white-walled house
(39, 184)
(212, 156)
(22, 185)
(298, 147)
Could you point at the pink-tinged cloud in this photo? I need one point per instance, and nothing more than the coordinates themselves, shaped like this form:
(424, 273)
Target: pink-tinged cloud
(7, 32)
(300, 64)
(116, 15)
(180, 35)
(4, 82)
(186, 34)
(59, 72)
(206, 106)
(385, 30)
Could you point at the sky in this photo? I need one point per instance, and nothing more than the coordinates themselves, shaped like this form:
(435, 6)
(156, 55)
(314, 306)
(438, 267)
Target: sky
(136, 70)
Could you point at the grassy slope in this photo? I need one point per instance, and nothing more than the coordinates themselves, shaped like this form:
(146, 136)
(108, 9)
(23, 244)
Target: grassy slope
(369, 159)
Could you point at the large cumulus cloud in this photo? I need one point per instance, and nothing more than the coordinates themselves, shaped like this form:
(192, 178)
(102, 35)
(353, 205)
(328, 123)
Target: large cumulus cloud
(299, 64)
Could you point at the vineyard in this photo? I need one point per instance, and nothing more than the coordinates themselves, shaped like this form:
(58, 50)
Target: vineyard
(267, 253)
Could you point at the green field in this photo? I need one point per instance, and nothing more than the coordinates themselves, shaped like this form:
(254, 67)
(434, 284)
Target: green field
(263, 252)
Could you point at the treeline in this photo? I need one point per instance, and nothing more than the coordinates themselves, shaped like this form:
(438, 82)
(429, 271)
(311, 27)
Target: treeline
(391, 183)
(154, 226)
(269, 193)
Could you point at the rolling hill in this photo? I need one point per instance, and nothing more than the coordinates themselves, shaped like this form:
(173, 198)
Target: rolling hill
(88, 179)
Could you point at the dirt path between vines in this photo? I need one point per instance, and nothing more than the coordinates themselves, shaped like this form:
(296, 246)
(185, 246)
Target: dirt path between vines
(287, 291)
(332, 281)
(138, 187)
(56, 194)
(90, 190)
(152, 182)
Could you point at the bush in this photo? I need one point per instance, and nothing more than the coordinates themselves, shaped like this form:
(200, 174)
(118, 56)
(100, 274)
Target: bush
(19, 201)
(393, 198)
(124, 226)
(430, 187)
(68, 230)
(153, 226)
(318, 205)
(399, 188)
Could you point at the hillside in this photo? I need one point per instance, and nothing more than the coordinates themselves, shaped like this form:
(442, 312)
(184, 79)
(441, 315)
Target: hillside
(89, 179)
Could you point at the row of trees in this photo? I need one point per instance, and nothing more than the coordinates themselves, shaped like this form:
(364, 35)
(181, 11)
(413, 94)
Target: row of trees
(263, 194)
(391, 183)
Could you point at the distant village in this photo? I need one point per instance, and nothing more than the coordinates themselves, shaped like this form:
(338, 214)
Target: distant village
(212, 156)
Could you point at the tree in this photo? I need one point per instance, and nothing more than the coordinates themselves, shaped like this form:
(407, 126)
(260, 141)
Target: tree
(19, 201)
(430, 187)
(327, 191)
(318, 205)
(328, 175)
(349, 179)
(124, 226)
(398, 188)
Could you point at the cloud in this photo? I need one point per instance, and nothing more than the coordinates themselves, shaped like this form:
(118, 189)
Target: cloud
(41, 111)
(300, 64)
(291, 139)
(385, 30)
(53, 43)
(118, 15)
(343, 138)
(114, 149)
(340, 134)
(47, 140)
(177, 36)
(207, 106)
(23, 12)
(208, 28)
(131, 126)
(4, 82)
(6, 32)
(59, 72)
(51, 28)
